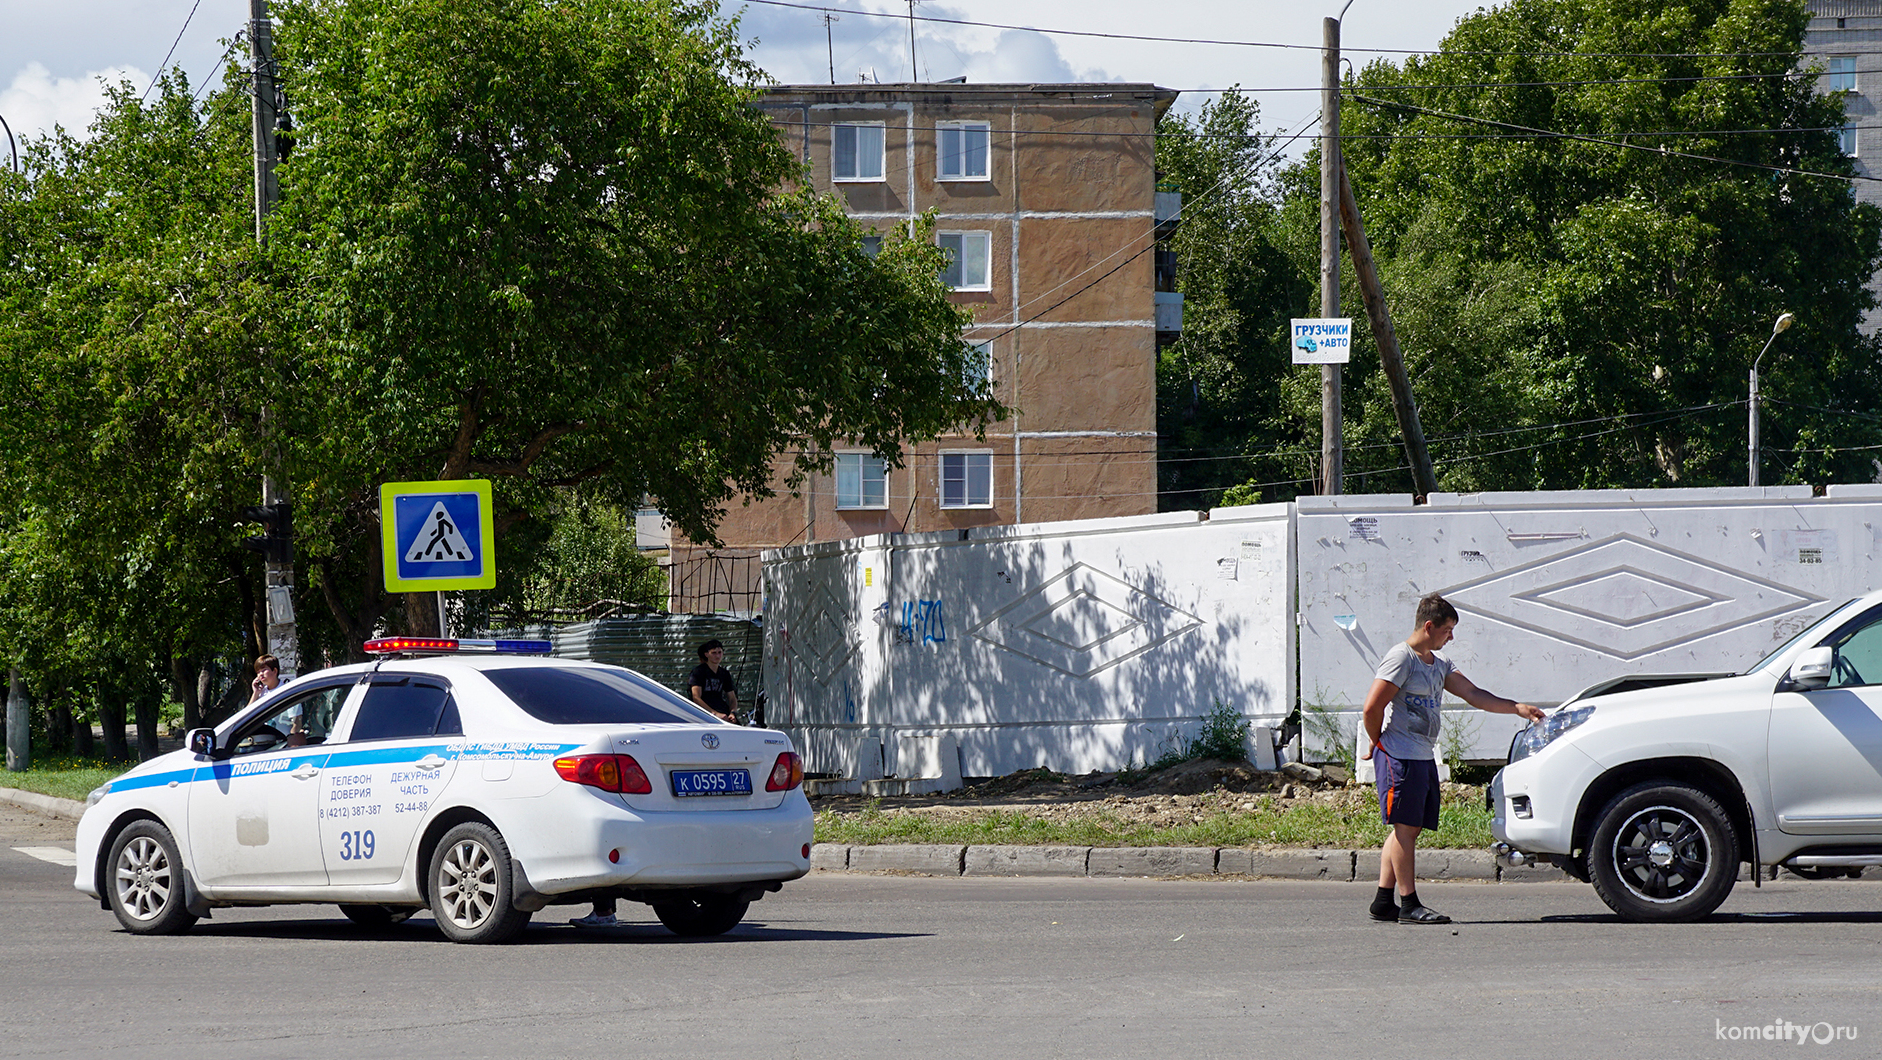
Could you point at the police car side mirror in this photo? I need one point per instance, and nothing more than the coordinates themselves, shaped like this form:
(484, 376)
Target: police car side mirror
(1813, 668)
(201, 742)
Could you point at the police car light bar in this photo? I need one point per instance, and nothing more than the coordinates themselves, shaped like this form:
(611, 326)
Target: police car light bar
(452, 646)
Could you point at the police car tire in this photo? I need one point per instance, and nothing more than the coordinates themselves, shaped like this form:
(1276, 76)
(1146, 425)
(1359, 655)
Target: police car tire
(377, 916)
(472, 886)
(701, 917)
(144, 881)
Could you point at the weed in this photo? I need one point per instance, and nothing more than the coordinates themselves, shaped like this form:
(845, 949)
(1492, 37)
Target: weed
(1456, 737)
(1224, 735)
(1325, 732)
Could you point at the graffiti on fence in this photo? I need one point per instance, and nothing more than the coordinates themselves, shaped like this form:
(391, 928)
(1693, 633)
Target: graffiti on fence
(923, 622)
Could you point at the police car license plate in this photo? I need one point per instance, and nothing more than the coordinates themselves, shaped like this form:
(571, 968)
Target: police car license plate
(711, 782)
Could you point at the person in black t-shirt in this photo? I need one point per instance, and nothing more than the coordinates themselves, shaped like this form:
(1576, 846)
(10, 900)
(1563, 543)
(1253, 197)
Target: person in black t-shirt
(712, 684)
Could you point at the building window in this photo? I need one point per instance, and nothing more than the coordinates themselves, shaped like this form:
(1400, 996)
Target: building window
(963, 150)
(970, 256)
(857, 153)
(872, 245)
(1842, 73)
(862, 481)
(979, 368)
(967, 480)
(1846, 139)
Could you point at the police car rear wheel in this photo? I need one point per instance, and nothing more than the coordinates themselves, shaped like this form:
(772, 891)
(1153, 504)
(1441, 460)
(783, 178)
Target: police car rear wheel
(377, 916)
(471, 886)
(145, 881)
(701, 916)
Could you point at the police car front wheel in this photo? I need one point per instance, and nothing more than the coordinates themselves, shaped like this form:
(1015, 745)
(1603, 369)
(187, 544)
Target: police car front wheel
(472, 886)
(144, 879)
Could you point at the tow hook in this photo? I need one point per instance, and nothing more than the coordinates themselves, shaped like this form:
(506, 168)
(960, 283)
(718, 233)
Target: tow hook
(1511, 858)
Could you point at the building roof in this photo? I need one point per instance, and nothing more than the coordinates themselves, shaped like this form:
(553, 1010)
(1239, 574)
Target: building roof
(958, 92)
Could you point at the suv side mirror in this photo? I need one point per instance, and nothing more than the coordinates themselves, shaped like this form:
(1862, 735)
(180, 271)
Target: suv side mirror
(201, 742)
(1812, 669)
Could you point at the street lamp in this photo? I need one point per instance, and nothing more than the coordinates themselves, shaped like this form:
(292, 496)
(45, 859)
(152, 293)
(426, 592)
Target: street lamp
(1783, 322)
(11, 146)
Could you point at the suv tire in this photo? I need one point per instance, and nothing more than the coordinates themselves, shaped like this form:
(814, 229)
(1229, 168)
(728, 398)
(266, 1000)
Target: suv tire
(1663, 852)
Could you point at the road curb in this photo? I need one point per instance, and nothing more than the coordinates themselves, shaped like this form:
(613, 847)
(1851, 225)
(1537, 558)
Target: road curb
(1285, 863)
(33, 800)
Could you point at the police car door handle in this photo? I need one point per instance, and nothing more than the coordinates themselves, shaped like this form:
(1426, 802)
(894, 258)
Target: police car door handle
(307, 770)
(429, 762)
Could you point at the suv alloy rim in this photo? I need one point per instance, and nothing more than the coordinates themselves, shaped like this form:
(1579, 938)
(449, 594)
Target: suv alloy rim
(1660, 854)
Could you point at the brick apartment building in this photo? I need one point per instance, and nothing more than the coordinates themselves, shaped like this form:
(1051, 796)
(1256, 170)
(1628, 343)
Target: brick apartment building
(1048, 203)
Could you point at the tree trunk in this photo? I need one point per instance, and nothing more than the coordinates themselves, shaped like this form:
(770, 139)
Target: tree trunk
(183, 676)
(149, 711)
(19, 724)
(59, 728)
(82, 745)
(421, 614)
(205, 686)
(111, 720)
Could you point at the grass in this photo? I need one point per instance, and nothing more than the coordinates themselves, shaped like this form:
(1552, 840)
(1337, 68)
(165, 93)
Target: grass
(1354, 822)
(65, 778)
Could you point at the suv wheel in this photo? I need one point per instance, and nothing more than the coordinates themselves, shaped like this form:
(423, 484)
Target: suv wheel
(144, 881)
(1663, 852)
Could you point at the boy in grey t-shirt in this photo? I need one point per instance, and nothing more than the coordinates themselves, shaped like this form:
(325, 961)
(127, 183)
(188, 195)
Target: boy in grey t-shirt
(1402, 720)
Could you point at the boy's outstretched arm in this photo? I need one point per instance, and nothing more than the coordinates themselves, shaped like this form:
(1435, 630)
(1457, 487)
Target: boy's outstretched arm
(1459, 685)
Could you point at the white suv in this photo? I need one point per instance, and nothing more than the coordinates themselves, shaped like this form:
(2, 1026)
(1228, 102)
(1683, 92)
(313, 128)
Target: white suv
(1657, 788)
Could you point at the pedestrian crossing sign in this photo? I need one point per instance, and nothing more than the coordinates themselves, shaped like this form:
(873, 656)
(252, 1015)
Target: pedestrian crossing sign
(437, 535)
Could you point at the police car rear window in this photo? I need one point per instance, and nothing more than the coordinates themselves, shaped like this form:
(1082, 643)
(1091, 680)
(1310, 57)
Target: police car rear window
(593, 697)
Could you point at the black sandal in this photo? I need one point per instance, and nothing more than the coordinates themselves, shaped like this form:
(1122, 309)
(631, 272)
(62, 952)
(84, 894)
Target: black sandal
(1419, 914)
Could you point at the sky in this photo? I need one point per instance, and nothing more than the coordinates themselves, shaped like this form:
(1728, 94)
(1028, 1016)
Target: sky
(53, 53)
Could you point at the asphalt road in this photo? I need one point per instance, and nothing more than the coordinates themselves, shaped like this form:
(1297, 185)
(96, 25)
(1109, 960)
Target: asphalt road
(868, 966)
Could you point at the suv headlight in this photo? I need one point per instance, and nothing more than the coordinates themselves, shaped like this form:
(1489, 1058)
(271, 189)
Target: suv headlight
(1540, 734)
(97, 793)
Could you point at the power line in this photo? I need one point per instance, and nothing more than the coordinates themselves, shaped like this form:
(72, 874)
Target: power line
(1662, 151)
(1259, 140)
(168, 54)
(1256, 44)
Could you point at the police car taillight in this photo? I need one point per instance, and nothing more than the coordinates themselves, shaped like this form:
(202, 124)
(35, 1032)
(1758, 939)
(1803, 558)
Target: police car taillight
(455, 646)
(608, 772)
(787, 773)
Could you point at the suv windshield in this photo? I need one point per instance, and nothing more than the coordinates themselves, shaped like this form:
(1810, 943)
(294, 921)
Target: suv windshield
(1794, 638)
(596, 696)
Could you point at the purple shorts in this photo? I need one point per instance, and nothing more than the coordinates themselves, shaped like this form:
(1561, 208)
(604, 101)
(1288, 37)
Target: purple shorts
(1408, 789)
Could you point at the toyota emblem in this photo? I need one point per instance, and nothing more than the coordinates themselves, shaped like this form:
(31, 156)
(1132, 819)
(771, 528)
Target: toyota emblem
(710, 740)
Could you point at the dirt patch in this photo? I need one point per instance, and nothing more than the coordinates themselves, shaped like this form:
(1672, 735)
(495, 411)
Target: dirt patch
(1186, 793)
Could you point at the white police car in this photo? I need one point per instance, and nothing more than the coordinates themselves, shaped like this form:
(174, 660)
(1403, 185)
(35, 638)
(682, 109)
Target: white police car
(484, 787)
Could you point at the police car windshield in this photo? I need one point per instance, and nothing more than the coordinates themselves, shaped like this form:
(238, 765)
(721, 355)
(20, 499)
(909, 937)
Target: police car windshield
(597, 696)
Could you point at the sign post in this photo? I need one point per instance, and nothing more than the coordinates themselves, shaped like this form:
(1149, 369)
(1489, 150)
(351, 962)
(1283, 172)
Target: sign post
(436, 536)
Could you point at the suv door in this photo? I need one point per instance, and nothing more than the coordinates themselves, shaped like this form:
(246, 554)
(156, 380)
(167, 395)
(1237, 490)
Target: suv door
(1826, 744)
(254, 820)
(400, 752)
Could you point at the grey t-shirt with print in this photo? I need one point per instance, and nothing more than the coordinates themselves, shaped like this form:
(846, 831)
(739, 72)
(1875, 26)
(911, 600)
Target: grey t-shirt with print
(1412, 719)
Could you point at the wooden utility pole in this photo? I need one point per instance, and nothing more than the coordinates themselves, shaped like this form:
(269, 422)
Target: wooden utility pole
(1332, 440)
(1403, 403)
(279, 579)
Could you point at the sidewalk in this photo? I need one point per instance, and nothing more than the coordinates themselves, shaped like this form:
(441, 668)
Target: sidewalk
(1287, 863)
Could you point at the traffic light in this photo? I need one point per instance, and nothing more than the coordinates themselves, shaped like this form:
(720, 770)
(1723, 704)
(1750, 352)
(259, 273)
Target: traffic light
(277, 545)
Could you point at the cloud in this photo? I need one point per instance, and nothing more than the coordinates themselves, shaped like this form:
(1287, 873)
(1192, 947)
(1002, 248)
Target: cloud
(792, 47)
(36, 101)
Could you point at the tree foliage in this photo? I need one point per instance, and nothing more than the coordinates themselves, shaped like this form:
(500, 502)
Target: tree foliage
(545, 242)
(1578, 307)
